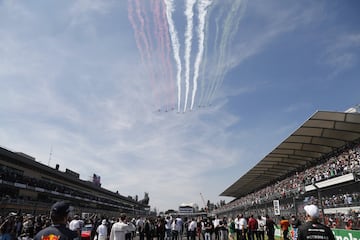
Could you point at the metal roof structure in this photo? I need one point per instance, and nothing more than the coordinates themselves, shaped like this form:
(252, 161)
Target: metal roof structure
(320, 135)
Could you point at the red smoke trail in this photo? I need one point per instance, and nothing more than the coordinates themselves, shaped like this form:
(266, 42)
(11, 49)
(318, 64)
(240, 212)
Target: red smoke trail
(159, 35)
(149, 52)
(145, 41)
(146, 30)
(136, 30)
(162, 36)
(141, 30)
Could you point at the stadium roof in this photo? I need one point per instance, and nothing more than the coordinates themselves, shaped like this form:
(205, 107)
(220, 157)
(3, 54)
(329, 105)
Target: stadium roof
(323, 133)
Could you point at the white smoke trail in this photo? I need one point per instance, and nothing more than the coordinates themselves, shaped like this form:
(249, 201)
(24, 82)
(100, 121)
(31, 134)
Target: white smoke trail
(175, 45)
(202, 11)
(189, 13)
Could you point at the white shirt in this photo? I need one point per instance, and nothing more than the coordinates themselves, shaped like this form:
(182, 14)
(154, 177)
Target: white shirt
(102, 231)
(261, 224)
(243, 223)
(192, 225)
(132, 227)
(168, 224)
(175, 226)
(237, 223)
(140, 224)
(118, 231)
(216, 222)
(74, 225)
(179, 224)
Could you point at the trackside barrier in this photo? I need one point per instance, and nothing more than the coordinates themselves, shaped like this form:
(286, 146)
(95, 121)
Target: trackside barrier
(340, 234)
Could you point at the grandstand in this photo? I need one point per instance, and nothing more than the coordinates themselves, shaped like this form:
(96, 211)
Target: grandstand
(29, 186)
(318, 163)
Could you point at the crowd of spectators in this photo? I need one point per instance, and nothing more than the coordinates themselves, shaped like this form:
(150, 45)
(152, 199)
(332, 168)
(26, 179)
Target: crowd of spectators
(18, 226)
(22, 225)
(339, 163)
(18, 178)
(26, 226)
(346, 162)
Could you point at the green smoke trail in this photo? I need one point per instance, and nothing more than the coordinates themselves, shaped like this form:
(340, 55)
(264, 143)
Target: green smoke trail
(229, 29)
(212, 80)
(203, 65)
(205, 89)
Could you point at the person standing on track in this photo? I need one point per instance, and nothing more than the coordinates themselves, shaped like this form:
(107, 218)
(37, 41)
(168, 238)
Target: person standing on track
(313, 229)
(59, 214)
(270, 228)
(284, 225)
(120, 229)
(295, 223)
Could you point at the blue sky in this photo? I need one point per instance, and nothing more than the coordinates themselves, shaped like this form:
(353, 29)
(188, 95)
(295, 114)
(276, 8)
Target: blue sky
(95, 83)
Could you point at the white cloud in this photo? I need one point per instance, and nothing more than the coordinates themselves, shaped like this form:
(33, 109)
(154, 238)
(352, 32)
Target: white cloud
(81, 11)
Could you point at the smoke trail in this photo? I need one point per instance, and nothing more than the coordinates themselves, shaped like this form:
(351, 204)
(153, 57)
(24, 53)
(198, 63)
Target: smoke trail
(175, 45)
(204, 75)
(159, 36)
(202, 8)
(240, 9)
(189, 13)
(167, 50)
(230, 28)
(213, 79)
(136, 31)
(141, 31)
(145, 42)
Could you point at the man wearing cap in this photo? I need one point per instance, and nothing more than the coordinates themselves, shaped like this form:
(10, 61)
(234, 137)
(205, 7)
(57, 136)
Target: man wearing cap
(58, 230)
(102, 230)
(313, 229)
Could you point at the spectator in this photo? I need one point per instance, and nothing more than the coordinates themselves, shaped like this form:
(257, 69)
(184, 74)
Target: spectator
(58, 230)
(349, 225)
(284, 225)
(312, 229)
(75, 225)
(168, 228)
(260, 234)
(232, 230)
(120, 229)
(295, 223)
(7, 228)
(270, 228)
(102, 230)
(243, 227)
(252, 227)
(192, 229)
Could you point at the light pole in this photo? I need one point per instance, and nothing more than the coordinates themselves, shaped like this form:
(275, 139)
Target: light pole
(320, 201)
(294, 203)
